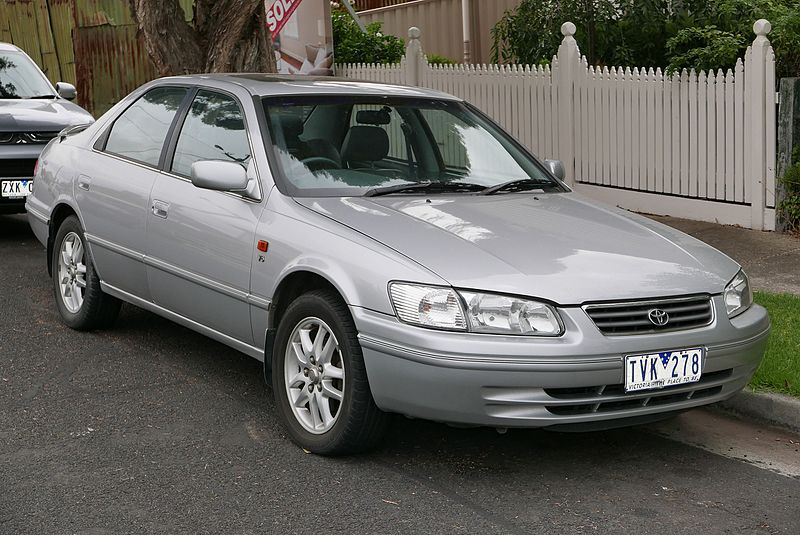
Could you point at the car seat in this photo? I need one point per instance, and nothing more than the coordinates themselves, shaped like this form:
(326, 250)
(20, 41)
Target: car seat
(365, 145)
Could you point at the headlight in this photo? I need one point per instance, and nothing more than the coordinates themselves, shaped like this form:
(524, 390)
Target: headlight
(738, 295)
(443, 308)
(500, 314)
(428, 306)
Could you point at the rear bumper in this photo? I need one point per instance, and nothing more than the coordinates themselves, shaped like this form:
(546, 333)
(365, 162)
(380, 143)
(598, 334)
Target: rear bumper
(523, 382)
(40, 224)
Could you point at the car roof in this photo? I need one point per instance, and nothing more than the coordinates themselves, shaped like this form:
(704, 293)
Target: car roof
(265, 85)
(9, 46)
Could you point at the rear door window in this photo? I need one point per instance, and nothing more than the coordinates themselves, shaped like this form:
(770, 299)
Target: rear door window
(139, 132)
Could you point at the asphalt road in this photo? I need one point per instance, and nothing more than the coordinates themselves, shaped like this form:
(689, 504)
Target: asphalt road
(150, 428)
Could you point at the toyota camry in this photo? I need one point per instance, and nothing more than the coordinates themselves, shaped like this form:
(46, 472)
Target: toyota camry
(386, 249)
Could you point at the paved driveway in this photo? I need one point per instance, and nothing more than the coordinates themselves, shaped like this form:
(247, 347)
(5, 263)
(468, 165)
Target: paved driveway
(771, 259)
(151, 428)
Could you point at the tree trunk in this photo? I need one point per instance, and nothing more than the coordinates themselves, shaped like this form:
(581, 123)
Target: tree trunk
(227, 36)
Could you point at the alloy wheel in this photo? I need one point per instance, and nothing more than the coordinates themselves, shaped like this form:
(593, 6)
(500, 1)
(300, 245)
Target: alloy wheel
(72, 272)
(314, 375)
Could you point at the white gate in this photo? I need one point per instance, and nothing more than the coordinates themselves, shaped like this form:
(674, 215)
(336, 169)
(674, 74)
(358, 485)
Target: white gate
(693, 145)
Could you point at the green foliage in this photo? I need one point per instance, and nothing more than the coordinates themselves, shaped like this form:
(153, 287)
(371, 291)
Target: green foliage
(436, 59)
(609, 32)
(706, 48)
(696, 39)
(351, 45)
(672, 34)
(780, 369)
(790, 205)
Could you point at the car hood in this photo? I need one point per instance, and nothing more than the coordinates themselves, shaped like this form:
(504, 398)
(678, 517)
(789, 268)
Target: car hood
(34, 115)
(559, 247)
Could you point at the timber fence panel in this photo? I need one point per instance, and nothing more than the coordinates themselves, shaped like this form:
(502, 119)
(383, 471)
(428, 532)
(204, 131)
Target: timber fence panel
(730, 183)
(694, 144)
(770, 128)
(738, 132)
(702, 135)
(719, 100)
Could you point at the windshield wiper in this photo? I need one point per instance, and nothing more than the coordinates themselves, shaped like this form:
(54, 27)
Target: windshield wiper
(42, 97)
(516, 184)
(428, 187)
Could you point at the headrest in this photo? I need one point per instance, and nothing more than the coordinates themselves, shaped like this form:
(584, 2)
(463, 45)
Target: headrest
(365, 144)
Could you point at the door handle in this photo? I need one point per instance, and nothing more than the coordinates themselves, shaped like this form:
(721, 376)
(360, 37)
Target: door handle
(84, 182)
(160, 209)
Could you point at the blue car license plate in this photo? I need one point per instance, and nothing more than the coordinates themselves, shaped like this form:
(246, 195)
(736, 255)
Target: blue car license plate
(666, 368)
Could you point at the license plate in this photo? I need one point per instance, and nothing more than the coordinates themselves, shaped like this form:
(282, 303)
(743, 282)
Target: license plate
(16, 189)
(667, 368)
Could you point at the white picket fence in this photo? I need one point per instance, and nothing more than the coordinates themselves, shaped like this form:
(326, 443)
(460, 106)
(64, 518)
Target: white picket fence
(694, 145)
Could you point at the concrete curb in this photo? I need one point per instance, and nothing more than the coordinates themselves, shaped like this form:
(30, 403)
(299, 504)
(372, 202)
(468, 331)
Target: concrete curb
(775, 409)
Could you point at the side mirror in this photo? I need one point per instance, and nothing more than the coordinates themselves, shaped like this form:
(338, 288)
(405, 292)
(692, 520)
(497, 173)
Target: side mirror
(556, 168)
(219, 176)
(66, 91)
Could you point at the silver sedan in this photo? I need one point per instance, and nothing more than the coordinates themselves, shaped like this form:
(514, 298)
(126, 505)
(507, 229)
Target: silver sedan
(386, 249)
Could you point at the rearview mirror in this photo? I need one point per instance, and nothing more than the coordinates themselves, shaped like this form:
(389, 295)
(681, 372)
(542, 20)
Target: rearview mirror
(556, 168)
(219, 176)
(66, 91)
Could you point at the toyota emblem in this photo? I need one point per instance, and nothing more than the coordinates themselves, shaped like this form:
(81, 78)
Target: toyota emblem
(658, 317)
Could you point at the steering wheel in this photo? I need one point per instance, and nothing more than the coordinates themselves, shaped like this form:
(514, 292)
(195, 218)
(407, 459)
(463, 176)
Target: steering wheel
(317, 163)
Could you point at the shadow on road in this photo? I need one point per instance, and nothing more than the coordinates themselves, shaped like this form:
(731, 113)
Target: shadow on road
(15, 228)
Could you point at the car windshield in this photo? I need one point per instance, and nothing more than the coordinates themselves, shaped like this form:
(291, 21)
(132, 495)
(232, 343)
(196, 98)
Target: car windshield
(20, 78)
(354, 146)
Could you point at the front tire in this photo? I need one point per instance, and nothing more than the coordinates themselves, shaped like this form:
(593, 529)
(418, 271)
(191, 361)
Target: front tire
(319, 379)
(80, 300)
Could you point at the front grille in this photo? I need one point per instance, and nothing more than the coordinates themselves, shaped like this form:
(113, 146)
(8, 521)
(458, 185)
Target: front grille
(26, 138)
(635, 317)
(611, 398)
(41, 137)
(17, 168)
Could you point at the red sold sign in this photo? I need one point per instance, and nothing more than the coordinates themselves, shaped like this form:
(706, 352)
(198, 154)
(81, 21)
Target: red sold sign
(278, 14)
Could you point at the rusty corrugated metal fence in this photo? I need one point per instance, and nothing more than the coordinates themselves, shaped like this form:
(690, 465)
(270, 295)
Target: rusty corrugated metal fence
(27, 24)
(92, 44)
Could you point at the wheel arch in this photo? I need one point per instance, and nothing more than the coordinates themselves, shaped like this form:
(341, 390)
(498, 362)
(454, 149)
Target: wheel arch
(60, 212)
(291, 286)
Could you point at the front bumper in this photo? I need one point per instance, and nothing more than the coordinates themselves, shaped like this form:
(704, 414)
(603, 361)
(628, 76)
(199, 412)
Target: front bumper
(21, 152)
(501, 381)
(12, 206)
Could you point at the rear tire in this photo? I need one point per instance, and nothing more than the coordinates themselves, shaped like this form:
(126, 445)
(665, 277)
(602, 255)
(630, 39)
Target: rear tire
(319, 379)
(80, 300)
